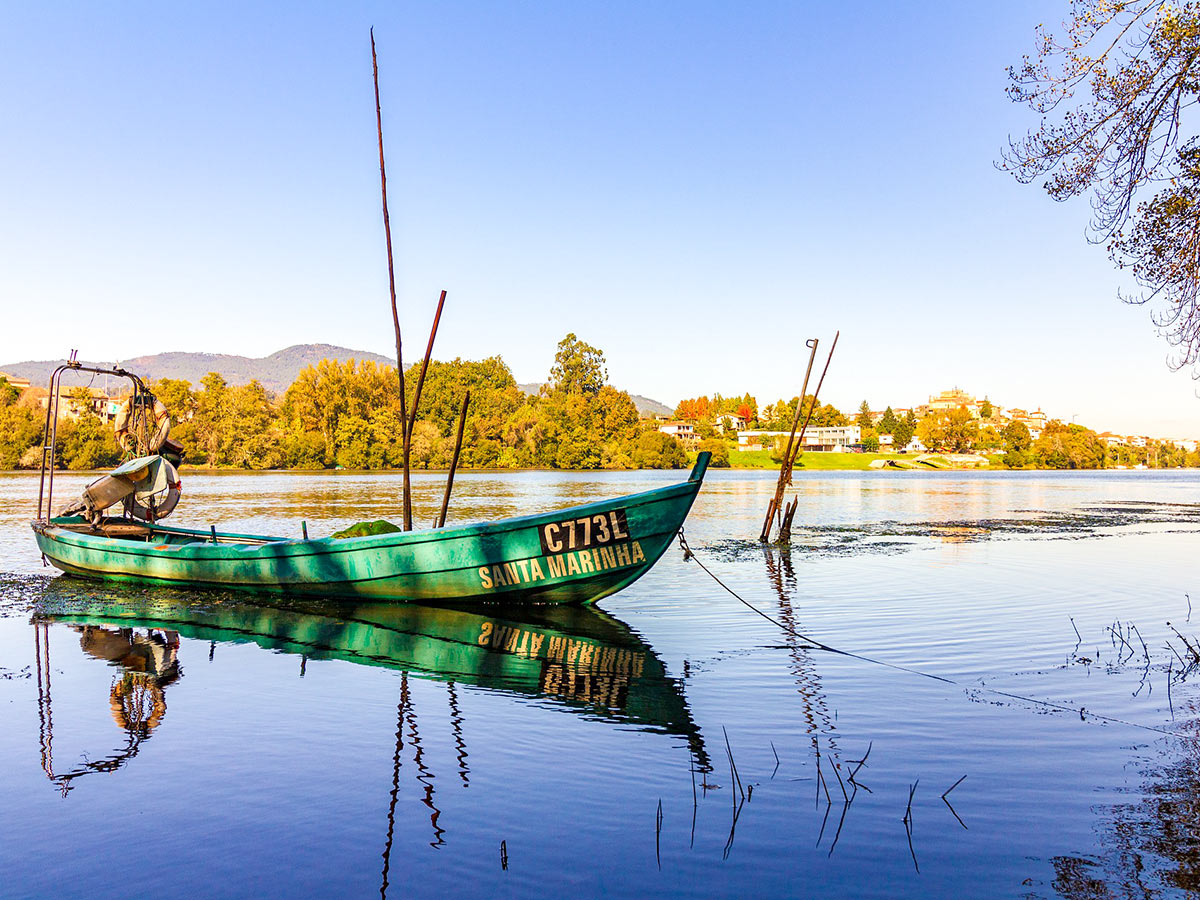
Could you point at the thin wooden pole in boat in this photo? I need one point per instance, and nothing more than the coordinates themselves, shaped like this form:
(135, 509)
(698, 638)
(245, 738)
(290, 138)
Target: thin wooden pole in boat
(387, 230)
(776, 503)
(462, 421)
(412, 416)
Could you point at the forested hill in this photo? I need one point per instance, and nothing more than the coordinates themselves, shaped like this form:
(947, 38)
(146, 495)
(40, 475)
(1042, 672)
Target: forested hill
(274, 372)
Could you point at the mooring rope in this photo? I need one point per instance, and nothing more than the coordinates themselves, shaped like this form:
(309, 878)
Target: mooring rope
(689, 554)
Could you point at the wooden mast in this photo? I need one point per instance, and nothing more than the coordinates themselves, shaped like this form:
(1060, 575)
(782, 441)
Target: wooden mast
(387, 228)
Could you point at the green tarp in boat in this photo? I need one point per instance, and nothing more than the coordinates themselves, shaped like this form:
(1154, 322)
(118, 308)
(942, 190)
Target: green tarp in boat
(366, 529)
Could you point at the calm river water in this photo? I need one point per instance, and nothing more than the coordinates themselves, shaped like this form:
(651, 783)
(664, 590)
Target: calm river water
(1017, 640)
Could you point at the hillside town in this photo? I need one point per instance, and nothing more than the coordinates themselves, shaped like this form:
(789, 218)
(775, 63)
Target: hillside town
(850, 437)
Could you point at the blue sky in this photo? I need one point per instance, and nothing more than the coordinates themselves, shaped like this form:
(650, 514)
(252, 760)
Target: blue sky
(696, 188)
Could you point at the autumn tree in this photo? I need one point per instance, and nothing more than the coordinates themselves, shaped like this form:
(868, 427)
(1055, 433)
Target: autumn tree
(694, 409)
(20, 427)
(952, 430)
(578, 367)
(1068, 447)
(1112, 92)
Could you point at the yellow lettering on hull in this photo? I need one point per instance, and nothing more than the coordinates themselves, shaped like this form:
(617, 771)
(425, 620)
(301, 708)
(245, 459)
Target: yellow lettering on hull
(561, 565)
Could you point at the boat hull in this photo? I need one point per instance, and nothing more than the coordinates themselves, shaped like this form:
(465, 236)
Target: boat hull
(575, 555)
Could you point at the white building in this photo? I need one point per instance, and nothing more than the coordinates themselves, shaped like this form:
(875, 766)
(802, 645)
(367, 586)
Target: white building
(836, 439)
(683, 431)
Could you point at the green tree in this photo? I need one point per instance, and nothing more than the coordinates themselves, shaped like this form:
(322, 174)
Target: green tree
(177, 396)
(864, 420)
(1016, 436)
(578, 367)
(578, 450)
(719, 450)
(1016, 441)
(20, 430)
(989, 438)
(85, 442)
(8, 393)
(1111, 93)
(887, 425)
(212, 418)
(904, 430)
(655, 450)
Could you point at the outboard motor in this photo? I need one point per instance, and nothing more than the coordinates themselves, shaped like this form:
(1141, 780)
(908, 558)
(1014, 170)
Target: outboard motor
(149, 487)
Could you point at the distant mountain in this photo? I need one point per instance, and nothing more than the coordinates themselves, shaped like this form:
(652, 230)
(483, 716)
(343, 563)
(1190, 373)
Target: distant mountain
(274, 372)
(645, 406)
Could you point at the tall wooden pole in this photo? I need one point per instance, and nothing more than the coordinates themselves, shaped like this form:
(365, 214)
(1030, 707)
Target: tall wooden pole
(387, 228)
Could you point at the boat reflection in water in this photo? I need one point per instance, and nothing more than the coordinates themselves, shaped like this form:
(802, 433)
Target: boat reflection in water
(148, 663)
(575, 658)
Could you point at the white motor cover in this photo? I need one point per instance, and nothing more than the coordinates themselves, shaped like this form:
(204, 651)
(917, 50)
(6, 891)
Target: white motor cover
(149, 486)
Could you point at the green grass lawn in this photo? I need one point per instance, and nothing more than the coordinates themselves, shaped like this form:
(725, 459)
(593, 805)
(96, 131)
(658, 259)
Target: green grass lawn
(813, 462)
(822, 461)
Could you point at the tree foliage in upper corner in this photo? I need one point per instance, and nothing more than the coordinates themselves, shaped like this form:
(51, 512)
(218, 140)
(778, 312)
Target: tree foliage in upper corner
(1114, 93)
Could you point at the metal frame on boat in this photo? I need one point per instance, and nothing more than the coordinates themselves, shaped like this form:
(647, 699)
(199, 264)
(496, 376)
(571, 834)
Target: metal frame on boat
(141, 395)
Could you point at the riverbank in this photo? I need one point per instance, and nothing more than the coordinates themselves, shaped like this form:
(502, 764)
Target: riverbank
(848, 462)
(757, 460)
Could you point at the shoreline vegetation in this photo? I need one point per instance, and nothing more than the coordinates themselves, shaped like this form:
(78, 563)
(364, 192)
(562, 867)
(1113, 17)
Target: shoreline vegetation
(346, 416)
(752, 461)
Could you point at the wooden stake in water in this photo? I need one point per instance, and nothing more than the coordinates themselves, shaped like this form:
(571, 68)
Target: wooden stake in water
(776, 503)
(785, 525)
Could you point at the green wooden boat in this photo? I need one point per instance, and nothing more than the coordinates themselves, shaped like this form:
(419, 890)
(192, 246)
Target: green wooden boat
(574, 555)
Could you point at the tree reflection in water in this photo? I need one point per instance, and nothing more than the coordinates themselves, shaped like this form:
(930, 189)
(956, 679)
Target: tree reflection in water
(1152, 847)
